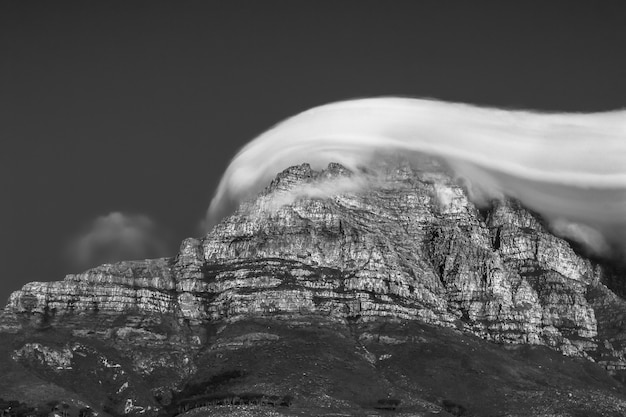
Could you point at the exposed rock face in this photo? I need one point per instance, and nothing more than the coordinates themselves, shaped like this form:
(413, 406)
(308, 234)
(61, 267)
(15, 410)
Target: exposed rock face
(408, 246)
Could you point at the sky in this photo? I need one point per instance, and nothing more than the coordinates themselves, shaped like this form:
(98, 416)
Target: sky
(119, 118)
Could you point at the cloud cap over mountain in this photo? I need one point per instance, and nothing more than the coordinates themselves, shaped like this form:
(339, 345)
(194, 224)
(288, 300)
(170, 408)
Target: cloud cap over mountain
(566, 166)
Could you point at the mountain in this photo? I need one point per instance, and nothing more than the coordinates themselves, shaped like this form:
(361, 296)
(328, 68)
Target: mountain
(334, 292)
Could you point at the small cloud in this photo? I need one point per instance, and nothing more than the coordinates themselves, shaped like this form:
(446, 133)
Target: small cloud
(117, 237)
(322, 189)
(316, 190)
(591, 239)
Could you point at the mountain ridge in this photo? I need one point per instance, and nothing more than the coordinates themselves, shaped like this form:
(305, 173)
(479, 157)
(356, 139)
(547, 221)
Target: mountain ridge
(391, 246)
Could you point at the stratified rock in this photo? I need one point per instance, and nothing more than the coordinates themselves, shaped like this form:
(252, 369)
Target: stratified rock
(389, 244)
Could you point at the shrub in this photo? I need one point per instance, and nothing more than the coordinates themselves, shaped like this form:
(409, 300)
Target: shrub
(85, 412)
(13, 408)
(273, 400)
(52, 405)
(227, 398)
(454, 408)
(208, 385)
(286, 401)
(387, 404)
(251, 398)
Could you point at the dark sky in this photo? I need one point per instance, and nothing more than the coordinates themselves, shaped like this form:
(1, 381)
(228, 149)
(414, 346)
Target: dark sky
(137, 107)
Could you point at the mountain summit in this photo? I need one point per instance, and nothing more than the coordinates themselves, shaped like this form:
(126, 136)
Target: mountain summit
(334, 291)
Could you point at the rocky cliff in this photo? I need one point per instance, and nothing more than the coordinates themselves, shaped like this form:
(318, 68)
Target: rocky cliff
(401, 243)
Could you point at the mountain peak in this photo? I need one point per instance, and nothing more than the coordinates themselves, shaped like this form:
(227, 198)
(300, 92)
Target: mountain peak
(303, 173)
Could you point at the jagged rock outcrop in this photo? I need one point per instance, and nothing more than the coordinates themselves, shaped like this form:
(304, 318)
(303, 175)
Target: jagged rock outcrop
(392, 244)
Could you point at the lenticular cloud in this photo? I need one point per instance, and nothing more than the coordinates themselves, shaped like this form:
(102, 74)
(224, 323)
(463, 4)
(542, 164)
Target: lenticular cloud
(569, 167)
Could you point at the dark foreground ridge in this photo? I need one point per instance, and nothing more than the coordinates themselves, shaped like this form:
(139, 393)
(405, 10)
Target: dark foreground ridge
(325, 296)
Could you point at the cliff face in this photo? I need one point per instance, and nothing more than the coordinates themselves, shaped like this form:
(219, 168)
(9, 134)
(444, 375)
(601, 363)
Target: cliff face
(409, 246)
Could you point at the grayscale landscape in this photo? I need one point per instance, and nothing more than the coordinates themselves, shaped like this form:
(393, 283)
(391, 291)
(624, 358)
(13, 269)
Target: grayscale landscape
(299, 209)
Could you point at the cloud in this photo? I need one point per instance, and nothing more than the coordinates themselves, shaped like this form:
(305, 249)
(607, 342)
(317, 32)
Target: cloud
(116, 237)
(582, 234)
(565, 166)
(317, 190)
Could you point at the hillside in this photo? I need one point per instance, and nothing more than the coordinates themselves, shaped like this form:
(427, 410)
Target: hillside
(328, 292)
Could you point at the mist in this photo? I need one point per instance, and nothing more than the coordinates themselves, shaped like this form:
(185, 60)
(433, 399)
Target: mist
(568, 167)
